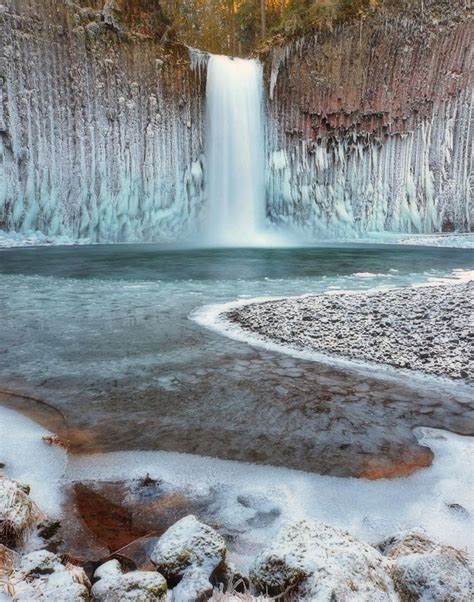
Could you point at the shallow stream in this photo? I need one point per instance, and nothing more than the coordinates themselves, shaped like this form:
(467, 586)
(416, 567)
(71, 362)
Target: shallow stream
(103, 333)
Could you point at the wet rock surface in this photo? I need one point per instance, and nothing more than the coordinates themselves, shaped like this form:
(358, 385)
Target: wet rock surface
(124, 519)
(427, 328)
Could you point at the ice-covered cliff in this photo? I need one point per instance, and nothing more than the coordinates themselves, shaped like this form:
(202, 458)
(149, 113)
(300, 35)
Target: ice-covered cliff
(370, 125)
(100, 124)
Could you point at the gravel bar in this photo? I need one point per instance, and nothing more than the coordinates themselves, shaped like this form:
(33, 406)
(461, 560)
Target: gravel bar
(428, 328)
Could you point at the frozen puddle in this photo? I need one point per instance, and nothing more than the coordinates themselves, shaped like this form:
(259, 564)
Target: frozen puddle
(252, 501)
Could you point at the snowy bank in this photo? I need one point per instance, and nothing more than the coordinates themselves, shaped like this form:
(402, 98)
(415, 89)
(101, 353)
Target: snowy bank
(254, 501)
(423, 328)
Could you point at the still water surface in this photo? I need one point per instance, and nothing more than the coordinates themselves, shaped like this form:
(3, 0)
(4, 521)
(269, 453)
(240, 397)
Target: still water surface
(103, 333)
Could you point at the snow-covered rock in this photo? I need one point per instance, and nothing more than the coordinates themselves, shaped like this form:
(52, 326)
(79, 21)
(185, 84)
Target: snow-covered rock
(187, 554)
(423, 569)
(323, 563)
(194, 585)
(42, 575)
(139, 586)
(18, 513)
(218, 596)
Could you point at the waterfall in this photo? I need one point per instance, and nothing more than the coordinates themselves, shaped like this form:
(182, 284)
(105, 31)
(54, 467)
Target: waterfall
(103, 139)
(235, 152)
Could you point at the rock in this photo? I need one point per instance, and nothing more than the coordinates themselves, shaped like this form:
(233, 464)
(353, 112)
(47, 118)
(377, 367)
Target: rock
(94, 29)
(423, 569)
(111, 14)
(18, 512)
(187, 555)
(194, 585)
(42, 575)
(147, 481)
(458, 510)
(322, 563)
(48, 528)
(114, 586)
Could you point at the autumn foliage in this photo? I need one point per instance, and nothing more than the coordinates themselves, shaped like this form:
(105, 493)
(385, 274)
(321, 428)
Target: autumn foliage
(239, 26)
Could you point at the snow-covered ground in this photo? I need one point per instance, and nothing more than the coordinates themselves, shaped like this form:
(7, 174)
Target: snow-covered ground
(417, 328)
(257, 500)
(10, 240)
(216, 317)
(455, 241)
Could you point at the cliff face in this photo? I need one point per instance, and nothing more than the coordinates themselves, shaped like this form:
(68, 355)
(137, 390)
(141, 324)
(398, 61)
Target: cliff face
(100, 122)
(370, 124)
(102, 117)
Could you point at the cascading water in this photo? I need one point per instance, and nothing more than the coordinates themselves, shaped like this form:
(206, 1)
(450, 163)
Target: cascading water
(235, 152)
(107, 144)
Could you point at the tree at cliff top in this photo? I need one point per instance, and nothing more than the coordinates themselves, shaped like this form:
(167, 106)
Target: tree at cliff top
(239, 26)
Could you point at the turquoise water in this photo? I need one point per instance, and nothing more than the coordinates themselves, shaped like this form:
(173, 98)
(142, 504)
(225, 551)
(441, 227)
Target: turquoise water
(103, 333)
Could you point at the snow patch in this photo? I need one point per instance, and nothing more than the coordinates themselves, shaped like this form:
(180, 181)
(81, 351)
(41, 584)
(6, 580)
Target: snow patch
(370, 510)
(10, 240)
(214, 318)
(29, 460)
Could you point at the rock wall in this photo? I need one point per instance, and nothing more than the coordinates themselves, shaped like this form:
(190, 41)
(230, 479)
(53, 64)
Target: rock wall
(100, 122)
(102, 116)
(370, 124)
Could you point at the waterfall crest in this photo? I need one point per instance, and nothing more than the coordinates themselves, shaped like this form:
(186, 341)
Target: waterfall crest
(235, 158)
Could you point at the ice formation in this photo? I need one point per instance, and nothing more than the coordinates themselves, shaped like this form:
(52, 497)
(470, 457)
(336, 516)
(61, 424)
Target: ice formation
(104, 140)
(100, 138)
(370, 510)
(410, 183)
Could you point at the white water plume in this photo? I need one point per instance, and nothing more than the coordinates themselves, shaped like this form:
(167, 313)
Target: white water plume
(235, 152)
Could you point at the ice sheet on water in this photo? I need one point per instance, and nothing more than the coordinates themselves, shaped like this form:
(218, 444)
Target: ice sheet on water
(30, 460)
(369, 509)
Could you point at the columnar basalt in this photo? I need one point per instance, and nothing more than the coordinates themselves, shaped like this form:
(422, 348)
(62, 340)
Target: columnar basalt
(100, 123)
(369, 124)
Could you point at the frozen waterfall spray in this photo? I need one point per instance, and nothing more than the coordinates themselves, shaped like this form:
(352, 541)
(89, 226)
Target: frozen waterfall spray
(235, 152)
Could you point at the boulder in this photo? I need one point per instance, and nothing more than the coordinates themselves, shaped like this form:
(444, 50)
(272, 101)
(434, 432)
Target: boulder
(42, 575)
(140, 586)
(322, 563)
(18, 512)
(194, 585)
(187, 555)
(423, 569)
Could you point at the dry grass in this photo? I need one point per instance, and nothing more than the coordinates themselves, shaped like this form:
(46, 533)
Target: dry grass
(7, 565)
(19, 514)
